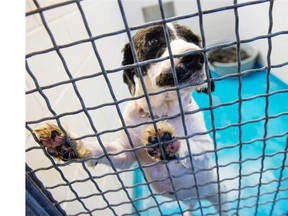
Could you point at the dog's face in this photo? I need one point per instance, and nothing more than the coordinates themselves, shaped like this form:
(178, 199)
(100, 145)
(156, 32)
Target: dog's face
(150, 43)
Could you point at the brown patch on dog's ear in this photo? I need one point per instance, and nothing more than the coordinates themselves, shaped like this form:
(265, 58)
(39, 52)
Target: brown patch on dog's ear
(128, 74)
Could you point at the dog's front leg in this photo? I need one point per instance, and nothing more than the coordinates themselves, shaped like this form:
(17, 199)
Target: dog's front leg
(197, 148)
(66, 148)
(205, 173)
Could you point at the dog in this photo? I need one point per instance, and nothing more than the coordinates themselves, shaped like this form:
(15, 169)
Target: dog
(173, 148)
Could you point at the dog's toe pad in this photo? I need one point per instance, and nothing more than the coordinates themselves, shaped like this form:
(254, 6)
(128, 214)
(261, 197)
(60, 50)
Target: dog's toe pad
(161, 145)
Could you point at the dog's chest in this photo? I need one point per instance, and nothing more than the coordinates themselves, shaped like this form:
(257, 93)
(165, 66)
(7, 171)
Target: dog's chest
(170, 178)
(138, 123)
(162, 175)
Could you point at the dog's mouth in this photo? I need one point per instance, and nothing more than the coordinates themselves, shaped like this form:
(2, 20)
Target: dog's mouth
(184, 76)
(188, 70)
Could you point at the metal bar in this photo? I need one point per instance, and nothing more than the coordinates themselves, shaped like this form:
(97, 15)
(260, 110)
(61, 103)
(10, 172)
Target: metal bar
(139, 72)
(114, 98)
(210, 103)
(42, 9)
(269, 40)
(56, 205)
(284, 161)
(38, 199)
(166, 118)
(182, 112)
(44, 151)
(153, 61)
(29, 55)
(80, 99)
(238, 45)
(167, 39)
(173, 19)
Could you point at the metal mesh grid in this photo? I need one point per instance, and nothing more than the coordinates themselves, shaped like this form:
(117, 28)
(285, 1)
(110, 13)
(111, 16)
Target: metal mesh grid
(116, 103)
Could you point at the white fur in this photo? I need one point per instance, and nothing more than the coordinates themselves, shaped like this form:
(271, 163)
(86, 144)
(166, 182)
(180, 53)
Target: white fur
(167, 104)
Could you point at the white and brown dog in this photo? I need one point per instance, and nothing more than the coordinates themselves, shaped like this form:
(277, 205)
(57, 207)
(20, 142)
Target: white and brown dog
(182, 152)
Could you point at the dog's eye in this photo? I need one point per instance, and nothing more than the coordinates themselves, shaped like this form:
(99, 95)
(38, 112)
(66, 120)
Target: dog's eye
(153, 42)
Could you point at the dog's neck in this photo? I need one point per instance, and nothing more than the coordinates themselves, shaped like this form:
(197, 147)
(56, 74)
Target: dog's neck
(162, 105)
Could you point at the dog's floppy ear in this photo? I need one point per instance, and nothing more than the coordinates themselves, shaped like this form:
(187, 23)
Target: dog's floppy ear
(128, 74)
(205, 90)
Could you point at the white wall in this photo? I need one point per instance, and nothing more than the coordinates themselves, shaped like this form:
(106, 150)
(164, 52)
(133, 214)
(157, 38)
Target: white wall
(254, 21)
(217, 25)
(103, 17)
(67, 26)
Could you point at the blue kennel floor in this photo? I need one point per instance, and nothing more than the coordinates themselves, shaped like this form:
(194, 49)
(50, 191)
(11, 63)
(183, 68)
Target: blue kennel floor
(252, 132)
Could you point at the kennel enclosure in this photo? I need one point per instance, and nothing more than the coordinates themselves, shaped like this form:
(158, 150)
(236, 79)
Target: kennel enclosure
(74, 78)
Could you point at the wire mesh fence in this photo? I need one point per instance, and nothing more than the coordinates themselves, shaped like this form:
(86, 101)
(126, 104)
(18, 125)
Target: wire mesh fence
(73, 184)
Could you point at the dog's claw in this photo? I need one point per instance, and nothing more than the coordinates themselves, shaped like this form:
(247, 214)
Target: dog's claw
(164, 149)
(166, 136)
(52, 152)
(54, 134)
(152, 140)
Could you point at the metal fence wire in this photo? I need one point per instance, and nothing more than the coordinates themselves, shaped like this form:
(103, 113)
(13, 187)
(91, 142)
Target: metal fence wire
(37, 174)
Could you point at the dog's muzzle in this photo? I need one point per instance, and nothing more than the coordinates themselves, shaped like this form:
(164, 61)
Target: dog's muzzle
(189, 69)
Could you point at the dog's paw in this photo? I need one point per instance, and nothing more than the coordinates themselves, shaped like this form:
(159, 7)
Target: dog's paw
(53, 138)
(167, 148)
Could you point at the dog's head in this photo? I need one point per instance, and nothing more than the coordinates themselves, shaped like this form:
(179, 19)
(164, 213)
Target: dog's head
(150, 43)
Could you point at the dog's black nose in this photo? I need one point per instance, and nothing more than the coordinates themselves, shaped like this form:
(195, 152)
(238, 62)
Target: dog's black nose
(193, 61)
